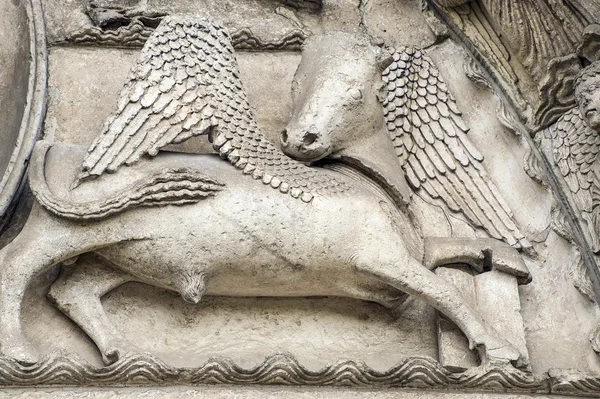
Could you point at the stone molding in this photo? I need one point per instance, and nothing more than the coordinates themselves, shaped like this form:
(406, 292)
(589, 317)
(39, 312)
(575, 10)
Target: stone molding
(11, 183)
(282, 369)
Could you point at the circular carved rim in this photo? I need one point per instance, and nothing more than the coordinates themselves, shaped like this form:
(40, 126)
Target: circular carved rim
(30, 129)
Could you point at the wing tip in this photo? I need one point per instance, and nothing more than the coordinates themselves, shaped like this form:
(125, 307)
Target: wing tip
(82, 177)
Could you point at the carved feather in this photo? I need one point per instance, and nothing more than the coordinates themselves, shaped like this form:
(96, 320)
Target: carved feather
(576, 148)
(186, 83)
(438, 159)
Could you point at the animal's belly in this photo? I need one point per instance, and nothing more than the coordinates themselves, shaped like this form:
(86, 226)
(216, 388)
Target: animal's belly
(258, 272)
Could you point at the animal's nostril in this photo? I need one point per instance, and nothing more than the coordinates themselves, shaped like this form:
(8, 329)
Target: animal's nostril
(309, 138)
(284, 137)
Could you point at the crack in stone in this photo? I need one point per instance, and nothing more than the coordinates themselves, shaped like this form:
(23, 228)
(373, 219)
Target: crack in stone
(362, 23)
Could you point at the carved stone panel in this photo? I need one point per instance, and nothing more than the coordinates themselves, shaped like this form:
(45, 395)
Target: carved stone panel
(387, 195)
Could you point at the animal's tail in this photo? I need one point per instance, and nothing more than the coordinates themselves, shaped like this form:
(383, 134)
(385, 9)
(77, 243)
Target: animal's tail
(168, 187)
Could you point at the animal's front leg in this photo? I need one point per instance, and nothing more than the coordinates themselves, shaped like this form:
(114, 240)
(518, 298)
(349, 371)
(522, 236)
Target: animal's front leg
(408, 275)
(38, 247)
(78, 292)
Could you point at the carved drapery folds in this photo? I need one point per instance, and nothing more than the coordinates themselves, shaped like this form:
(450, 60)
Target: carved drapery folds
(534, 46)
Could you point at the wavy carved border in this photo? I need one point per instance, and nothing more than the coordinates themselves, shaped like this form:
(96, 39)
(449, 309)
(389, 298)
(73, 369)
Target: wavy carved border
(11, 183)
(135, 34)
(59, 369)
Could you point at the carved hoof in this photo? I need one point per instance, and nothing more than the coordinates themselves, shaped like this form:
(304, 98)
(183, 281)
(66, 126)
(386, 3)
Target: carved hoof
(111, 356)
(21, 352)
(502, 355)
(117, 352)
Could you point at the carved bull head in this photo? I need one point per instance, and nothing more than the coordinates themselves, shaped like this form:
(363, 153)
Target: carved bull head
(335, 95)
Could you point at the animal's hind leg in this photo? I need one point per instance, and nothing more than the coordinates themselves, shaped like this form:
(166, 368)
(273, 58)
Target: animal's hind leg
(43, 242)
(78, 292)
(20, 262)
(408, 275)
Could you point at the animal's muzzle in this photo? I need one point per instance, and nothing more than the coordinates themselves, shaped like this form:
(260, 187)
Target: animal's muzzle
(307, 145)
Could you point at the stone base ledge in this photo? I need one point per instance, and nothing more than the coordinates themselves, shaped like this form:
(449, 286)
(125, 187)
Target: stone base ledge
(143, 373)
(237, 392)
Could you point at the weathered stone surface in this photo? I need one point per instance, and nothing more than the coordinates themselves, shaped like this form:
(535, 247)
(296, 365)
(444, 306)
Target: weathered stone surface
(84, 85)
(540, 50)
(309, 202)
(498, 301)
(14, 64)
(453, 346)
(496, 296)
(140, 105)
(23, 68)
(249, 393)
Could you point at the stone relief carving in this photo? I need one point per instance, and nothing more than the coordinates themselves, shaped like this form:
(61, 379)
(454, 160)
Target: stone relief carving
(135, 34)
(575, 147)
(347, 202)
(108, 15)
(439, 161)
(23, 67)
(541, 39)
(132, 26)
(186, 83)
(509, 36)
(553, 58)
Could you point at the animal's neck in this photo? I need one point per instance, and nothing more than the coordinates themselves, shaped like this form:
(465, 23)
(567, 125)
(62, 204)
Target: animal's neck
(382, 167)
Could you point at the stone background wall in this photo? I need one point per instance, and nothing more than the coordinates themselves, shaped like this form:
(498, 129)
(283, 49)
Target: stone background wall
(84, 82)
(83, 87)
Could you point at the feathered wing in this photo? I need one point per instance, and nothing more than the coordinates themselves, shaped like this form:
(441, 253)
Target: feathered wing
(576, 148)
(439, 161)
(186, 83)
(168, 97)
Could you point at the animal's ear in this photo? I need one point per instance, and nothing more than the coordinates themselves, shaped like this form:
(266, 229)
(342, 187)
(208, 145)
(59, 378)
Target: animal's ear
(384, 59)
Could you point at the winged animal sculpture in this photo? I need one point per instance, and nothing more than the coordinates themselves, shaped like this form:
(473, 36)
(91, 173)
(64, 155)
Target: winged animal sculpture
(576, 146)
(197, 225)
(438, 159)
